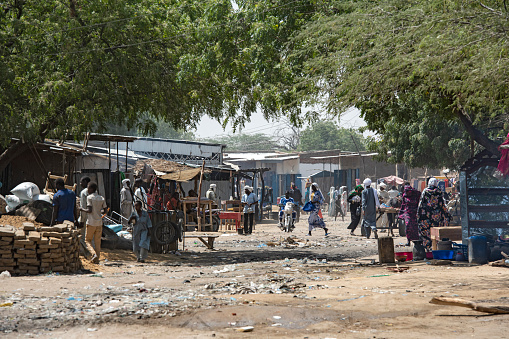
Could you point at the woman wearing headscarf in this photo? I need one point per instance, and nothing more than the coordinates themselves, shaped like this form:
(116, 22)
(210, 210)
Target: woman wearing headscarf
(408, 212)
(314, 220)
(126, 201)
(370, 204)
(432, 212)
(354, 198)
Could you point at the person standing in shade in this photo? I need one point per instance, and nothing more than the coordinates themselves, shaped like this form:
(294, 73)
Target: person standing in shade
(354, 198)
(249, 199)
(64, 203)
(140, 194)
(95, 205)
(370, 204)
(141, 232)
(315, 220)
(83, 201)
(212, 195)
(126, 201)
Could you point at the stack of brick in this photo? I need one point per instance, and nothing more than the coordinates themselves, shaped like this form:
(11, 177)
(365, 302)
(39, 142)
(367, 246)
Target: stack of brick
(34, 250)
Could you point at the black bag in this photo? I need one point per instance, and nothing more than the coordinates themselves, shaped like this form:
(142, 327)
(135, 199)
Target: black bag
(358, 211)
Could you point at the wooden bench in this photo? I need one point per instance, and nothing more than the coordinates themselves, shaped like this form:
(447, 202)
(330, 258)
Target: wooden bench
(201, 236)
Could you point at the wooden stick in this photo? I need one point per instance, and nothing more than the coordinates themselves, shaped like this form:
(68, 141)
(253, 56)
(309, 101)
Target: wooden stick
(470, 304)
(199, 197)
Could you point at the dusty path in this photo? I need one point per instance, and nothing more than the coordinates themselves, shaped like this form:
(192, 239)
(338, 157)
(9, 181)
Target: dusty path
(327, 288)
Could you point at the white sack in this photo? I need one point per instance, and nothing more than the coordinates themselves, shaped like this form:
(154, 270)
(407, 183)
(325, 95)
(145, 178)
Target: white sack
(26, 191)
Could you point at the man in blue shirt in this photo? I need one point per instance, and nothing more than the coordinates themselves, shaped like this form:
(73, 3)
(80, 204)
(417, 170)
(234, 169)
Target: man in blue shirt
(282, 204)
(64, 203)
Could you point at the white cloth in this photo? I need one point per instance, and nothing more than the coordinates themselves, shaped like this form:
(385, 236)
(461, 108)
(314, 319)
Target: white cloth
(367, 182)
(384, 196)
(433, 182)
(97, 203)
(141, 195)
(126, 204)
(393, 193)
(83, 204)
(211, 195)
(124, 183)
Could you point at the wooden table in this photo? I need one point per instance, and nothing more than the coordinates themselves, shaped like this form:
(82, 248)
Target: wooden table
(205, 204)
(438, 233)
(233, 213)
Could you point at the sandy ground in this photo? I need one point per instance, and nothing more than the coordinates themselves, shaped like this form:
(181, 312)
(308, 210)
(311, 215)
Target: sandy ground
(322, 288)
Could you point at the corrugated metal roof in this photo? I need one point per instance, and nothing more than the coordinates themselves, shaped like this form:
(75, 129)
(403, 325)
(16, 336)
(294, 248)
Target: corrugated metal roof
(259, 156)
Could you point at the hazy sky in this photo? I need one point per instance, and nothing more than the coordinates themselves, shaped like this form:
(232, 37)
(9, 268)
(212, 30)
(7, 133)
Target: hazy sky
(209, 128)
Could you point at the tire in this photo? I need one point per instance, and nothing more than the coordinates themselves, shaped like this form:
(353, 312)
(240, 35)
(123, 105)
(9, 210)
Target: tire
(288, 223)
(166, 232)
(401, 227)
(215, 224)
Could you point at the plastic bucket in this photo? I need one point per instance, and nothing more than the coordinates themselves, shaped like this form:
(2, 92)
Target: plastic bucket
(478, 250)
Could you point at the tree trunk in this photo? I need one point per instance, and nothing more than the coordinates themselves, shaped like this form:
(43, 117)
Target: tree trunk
(12, 152)
(476, 134)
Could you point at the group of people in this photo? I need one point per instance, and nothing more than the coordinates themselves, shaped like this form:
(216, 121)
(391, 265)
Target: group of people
(90, 212)
(419, 211)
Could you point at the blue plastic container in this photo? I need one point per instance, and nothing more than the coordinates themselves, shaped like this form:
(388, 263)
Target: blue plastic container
(115, 228)
(444, 255)
(478, 250)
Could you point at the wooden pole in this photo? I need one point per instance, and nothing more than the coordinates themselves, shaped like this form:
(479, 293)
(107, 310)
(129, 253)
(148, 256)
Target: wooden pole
(199, 197)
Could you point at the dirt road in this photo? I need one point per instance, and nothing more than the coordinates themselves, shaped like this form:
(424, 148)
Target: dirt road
(312, 287)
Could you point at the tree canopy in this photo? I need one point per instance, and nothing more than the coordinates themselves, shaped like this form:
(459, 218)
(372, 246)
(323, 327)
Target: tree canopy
(71, 67)
(327, 135)
(379, 56)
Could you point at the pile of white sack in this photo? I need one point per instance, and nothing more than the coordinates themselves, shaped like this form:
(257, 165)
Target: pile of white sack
(24, 193)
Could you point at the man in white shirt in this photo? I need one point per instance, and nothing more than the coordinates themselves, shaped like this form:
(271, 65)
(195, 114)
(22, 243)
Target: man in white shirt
(95, 205)
(140, 194)
(83, 200)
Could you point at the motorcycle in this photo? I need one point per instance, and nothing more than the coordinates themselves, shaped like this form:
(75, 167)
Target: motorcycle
(288, 222)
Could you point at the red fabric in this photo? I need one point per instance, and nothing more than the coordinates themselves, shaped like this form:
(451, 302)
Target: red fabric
(320, 214)
(503, 164)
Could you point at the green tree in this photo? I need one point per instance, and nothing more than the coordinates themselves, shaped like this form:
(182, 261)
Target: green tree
(327, 135)
(69, 67)
(378, 56)
(247, 142)
(421, 138)
(163, 130)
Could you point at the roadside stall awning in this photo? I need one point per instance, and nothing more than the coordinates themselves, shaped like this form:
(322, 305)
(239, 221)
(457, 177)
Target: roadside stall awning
(182, 176)
(393, 180)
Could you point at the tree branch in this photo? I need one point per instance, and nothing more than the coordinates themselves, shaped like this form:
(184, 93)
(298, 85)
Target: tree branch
(475, 133)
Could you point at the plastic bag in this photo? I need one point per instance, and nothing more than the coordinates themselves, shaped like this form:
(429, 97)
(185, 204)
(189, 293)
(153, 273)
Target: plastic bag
(43, 197)
(12, 202)
(26, 191)
(308, 207)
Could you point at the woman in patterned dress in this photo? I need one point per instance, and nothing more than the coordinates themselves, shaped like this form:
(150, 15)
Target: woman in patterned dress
(432, 212)
(315, 220)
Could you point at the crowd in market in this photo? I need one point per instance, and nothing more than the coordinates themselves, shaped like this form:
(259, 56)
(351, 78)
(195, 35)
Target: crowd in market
(419, 210)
